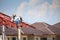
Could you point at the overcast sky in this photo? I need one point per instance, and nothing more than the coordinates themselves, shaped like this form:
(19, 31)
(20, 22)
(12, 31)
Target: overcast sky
(32, 11)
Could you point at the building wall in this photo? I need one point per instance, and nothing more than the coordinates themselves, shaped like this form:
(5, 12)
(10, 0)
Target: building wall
(24, 36)
(30, 37)
(10, 37)
(49, 38)
(1, 37)
(37, 38)
(57, 37)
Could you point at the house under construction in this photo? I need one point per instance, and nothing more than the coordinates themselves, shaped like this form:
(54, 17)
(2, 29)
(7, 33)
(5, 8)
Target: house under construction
(36, 31)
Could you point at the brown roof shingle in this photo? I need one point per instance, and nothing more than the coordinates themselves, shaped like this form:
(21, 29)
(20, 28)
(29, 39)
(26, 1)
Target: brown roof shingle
(55, 28)
(41, 29)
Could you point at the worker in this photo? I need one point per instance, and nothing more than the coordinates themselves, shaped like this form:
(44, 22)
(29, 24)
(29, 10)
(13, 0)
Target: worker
(16, 19)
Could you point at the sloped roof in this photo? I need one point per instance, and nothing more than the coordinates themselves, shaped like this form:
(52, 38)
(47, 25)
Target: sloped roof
(6, 20)
(8, 31)
(57, 25)
(43, 27)
(24, 30)
(55, 28)
(30, 30)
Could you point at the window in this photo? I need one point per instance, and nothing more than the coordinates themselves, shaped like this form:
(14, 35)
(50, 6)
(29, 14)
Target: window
(36, 38)
(24, 38)
(43, 38)
(8, 38)
(53, 38)
(14, 38)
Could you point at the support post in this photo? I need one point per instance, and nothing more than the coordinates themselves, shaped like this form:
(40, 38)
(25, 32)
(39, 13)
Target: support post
(3, 32)
(19, 32)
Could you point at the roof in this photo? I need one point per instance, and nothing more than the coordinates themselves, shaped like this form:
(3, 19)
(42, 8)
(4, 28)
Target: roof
(30, 30)
(8, 31)
(55, 28)
(41, 28)
(6, 20)
(24, 30)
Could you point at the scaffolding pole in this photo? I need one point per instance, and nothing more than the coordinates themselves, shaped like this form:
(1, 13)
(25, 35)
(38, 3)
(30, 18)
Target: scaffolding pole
(3, 32)
(19, 32)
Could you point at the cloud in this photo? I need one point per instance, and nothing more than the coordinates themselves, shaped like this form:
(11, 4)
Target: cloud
(33, 2)
(55, 5)
(29, 10)
(20, 9)
(39, 10)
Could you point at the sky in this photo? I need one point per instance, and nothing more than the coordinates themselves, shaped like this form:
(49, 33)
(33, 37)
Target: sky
(32, 11)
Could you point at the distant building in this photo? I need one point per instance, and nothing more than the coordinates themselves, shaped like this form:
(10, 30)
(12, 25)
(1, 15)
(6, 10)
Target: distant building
(43, 31)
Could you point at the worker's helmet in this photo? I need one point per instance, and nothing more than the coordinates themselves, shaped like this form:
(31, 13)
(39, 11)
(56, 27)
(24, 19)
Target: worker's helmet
(14, 14)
